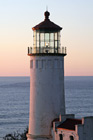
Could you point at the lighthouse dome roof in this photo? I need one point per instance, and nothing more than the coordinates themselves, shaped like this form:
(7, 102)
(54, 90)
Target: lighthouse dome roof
(47, 25)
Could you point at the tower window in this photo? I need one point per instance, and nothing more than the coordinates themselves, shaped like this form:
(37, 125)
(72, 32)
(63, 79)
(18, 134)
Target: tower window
(31, 64)
(49, 63)
(36, 63)
(60, 137)
(71, 138)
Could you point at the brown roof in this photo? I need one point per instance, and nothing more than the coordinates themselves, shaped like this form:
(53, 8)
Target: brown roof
(55, 120)
(69, 124)
(47, 24)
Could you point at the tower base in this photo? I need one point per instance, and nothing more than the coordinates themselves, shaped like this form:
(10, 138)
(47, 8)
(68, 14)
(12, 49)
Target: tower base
(38, 137)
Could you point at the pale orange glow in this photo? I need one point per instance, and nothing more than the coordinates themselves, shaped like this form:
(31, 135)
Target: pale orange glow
(16, 34)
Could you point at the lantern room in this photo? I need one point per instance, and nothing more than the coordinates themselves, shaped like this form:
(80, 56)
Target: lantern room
(46, 37)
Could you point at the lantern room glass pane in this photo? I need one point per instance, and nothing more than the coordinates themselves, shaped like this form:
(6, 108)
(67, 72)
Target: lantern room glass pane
(34, 33)
(37, 36)
(46, 44)
(37, 43)
(42, 36)
(55, 36)
(56, 44)
(34, 38)
(47, 36)
(59, 43)
(51, 36)
(42, 44)
(52, 44)
(58, 35)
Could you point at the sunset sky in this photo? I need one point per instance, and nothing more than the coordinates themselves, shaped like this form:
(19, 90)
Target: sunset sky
(17, 17)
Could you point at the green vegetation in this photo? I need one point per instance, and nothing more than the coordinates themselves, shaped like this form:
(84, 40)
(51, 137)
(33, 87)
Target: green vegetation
(16, 136)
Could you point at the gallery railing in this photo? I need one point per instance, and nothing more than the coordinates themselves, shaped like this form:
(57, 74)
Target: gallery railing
(37, 50)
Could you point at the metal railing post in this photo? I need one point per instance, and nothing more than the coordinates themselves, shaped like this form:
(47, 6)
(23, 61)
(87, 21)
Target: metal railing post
(65, 50)
(28, 50)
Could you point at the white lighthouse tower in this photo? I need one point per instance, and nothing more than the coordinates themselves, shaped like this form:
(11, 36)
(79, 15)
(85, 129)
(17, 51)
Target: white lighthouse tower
(47, 99)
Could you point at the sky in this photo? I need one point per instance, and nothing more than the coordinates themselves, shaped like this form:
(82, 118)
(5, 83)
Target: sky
(17, 17)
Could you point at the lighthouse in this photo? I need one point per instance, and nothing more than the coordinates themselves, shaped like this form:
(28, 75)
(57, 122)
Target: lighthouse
(47, 99)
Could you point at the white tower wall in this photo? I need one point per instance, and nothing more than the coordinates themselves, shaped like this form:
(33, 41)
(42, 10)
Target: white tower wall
(47, 99)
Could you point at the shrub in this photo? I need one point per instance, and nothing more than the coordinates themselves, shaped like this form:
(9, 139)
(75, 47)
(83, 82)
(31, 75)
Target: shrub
(17, 135)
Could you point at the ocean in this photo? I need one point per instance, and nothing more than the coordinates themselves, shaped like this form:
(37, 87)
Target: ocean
(14, 101)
